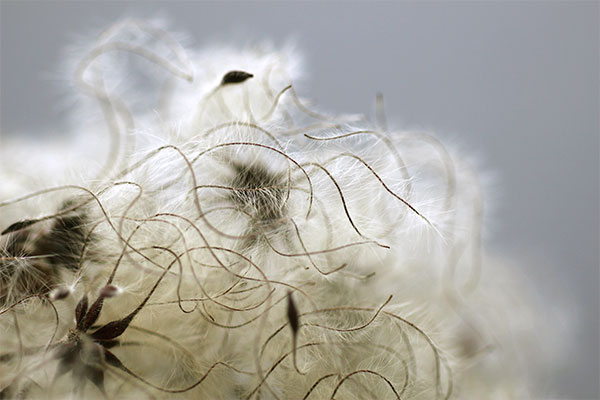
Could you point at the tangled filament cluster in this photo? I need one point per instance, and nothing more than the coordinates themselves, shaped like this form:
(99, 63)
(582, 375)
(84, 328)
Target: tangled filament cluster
(236, 244)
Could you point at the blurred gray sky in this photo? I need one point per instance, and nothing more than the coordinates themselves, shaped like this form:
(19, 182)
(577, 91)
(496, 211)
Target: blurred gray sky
(515, 83)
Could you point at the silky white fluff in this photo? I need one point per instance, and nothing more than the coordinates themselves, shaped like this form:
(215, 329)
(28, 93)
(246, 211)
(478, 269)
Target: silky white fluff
(230, 204)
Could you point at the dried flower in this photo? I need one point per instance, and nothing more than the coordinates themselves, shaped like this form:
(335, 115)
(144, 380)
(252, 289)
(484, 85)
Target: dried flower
(236, 212)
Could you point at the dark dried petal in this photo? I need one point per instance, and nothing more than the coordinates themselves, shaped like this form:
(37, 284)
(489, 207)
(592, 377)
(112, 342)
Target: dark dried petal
(63, 368)
(235, 77)
(113, 360)
(66, 352)
(67, 355)
(109, 344)
(91, 365)
(80, 311)
(17, 226)
(92, 315)
(93, 354)
(96, 375)
(112, 330)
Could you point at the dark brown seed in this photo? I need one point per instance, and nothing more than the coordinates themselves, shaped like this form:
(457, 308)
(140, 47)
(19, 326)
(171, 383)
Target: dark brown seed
(17, 226)
(235, 77)
(109, 291)
(292, 314)
(60, 293)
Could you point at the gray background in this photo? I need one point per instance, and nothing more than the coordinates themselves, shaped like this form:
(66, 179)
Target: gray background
(515, 83)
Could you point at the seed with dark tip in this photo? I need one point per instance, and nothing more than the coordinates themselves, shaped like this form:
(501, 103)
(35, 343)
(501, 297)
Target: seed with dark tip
(109, 291)
(235, 77)
(17, 226)
(60, 293)
(292, 314)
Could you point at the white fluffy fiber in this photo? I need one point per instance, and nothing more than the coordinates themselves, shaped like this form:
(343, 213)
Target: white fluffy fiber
(243, 204)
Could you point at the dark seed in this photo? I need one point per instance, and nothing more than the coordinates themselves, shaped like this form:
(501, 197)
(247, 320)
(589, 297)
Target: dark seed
(60, 293)
(235, 77)
(292, 314)
(109, 291)
(17, 226)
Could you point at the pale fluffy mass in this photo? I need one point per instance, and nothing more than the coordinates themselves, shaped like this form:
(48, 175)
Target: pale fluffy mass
(205, 233)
